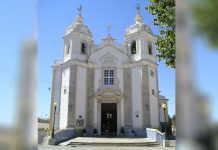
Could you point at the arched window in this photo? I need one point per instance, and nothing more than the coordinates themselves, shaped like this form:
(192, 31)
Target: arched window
(83, 48)
(150, 48)
(133, 47)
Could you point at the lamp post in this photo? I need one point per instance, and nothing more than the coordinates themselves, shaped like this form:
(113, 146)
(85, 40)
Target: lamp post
(55, 106)
(164, 106)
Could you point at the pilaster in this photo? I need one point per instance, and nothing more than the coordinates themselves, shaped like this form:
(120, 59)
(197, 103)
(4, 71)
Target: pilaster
(90, 101)
(145, 97)
(127, 98)
(72, 98)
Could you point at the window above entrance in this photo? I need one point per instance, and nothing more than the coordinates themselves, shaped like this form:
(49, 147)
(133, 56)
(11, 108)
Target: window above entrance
(108, 77)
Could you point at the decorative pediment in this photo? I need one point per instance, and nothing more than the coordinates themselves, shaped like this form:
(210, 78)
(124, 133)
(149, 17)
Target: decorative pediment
(109, 60)
(108, 95)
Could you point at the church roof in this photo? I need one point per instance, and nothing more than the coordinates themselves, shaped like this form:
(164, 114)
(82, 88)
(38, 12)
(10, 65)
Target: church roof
(79, 28)
(139, 27)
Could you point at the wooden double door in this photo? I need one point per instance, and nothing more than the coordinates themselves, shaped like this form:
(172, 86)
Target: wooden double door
(109, 119)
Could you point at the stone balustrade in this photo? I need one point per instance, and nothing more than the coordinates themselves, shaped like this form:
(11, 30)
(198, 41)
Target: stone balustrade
(61, 136)
(156, 135)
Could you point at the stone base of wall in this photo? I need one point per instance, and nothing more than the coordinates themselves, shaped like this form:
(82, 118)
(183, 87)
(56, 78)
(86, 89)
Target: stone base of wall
(128, 131)
(89, 131)
(169, 143)
(139, 132)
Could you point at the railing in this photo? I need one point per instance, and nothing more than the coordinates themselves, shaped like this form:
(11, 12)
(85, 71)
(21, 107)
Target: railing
(156, 135)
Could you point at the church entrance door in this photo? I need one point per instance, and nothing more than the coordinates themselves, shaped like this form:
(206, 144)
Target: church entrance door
(109, 119)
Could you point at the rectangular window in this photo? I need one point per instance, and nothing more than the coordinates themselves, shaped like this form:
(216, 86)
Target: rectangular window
(108, 77)
(65, 91)
(153, 92)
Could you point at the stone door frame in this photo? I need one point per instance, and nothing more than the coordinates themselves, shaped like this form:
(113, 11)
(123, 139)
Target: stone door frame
(109, 99)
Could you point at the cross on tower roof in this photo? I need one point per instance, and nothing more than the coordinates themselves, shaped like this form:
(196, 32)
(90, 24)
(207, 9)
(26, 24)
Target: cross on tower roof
(138, 9)
(79, 9)
(109, 29)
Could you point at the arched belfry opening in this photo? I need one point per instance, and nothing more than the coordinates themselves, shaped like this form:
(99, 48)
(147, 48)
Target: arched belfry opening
(150, 48)
(133, 47)
(67, 48)
(83, 48)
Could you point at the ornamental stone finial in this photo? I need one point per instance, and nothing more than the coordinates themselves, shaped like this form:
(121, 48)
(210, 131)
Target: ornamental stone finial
(138, 17)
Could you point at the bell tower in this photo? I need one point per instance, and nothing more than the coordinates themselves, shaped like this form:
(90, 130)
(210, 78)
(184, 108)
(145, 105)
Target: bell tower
(77, 40)
(139, 40)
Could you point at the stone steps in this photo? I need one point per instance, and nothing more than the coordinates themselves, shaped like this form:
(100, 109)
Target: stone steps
(111, 142)
(150, 144)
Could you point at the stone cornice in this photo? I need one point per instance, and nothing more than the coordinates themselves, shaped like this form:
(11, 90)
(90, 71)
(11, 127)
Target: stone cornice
(98, 66)
(108, 99)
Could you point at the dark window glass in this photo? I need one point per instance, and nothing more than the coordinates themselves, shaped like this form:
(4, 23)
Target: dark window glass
(153, 92)
(133, 47)
(83, 48)
(108, 77)
(68, 49)
(150, 48)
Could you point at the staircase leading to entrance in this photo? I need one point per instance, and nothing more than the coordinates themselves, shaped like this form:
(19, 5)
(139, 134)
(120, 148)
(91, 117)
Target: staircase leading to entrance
(103, 141)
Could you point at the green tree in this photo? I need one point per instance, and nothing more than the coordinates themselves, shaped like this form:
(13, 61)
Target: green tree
(164, 12)
(205, 17)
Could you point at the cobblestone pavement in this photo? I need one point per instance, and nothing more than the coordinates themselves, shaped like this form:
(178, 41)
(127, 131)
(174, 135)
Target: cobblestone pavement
(49, 147)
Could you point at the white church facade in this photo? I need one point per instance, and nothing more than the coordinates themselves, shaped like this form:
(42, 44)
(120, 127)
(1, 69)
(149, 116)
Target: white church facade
(109, 86)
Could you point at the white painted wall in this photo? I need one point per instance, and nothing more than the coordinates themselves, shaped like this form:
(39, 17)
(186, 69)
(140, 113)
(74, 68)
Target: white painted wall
(81, 93)
(136, 97)
(154, 106)
(64, 98)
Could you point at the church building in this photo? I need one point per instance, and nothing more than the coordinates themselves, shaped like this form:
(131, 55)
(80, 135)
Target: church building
(108, 87)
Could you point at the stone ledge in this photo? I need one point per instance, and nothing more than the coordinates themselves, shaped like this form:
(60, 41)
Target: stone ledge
(169, 143)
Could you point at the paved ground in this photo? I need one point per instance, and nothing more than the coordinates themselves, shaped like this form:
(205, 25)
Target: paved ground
(46, 147)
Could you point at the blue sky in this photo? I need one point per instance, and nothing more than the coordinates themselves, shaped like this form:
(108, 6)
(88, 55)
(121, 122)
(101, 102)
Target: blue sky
(53, 19)
(16, 25)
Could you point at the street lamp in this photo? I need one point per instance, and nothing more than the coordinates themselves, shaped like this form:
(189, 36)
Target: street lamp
(55, 106)
(164, 106)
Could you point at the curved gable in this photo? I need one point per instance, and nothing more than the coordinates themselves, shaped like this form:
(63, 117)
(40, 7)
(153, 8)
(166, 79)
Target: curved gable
(108, 56)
